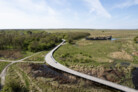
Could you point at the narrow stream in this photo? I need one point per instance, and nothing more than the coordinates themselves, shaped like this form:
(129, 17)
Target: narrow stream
(135, 77)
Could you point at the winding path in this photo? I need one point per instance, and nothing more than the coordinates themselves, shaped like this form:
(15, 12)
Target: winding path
(52, 62)
(3, 73)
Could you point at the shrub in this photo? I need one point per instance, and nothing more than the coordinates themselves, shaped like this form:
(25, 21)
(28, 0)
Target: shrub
(13, 86)
(136, 39)
(76, 35)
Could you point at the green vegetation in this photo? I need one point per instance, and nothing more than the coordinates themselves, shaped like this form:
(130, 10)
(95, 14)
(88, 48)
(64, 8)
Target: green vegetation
(92, 52)
(32, 41)
(91, 56)
(75, 35)
(85, 52)
(2, 65)
(109, 60)
(71, 54)
(13, 86)
(18, 44)
(40, 78)
(136, 39)
(102, 56)
(38, 57)
(28, 41)
(14, 81)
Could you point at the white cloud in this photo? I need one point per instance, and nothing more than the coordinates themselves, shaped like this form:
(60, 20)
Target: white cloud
(28, 14)
(58, 14)
(96, 6)
(59, 2)
(31, 6)
(127, 3)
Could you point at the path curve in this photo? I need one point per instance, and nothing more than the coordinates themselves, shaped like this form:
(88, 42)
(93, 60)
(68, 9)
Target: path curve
(3, 73)
(52, 62)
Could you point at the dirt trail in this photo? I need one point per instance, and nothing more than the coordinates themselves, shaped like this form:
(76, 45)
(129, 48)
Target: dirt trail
(4, 72)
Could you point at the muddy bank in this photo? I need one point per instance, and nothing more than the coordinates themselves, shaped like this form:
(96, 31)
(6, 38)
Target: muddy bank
(135, 77)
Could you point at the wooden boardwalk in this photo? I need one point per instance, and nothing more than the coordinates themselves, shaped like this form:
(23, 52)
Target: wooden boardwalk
(52, 62)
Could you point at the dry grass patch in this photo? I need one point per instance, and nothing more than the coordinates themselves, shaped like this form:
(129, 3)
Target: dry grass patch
(135, 53)
(103, 59)
(11, 54)
(84, 42)
(121, 55)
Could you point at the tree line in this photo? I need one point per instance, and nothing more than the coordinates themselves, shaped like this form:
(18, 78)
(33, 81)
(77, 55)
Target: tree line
(35, 40)
(76, 35)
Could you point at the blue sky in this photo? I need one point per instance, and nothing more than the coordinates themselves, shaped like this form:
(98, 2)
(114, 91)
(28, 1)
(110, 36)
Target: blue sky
(94, 14)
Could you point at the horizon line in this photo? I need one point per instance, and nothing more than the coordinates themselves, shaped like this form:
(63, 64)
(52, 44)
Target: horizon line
(64, 29)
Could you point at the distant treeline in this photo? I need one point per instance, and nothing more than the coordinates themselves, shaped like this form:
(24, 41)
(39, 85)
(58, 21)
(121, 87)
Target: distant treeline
(76, 35)
(35, 40)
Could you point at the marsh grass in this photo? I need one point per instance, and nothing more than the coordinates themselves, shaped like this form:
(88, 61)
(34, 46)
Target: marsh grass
(96, 54)
(84, 56)
(3, 65)
(48, 84)
(38, 57)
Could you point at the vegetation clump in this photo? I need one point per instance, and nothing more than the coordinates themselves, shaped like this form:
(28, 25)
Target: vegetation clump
(76, 35)
(13, 86)
(29, 41)
(2, 65)
(136, 39)
(34, 41)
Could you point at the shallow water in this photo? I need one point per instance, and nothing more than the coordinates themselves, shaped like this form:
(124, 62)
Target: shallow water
(113, 39)
(135, 78)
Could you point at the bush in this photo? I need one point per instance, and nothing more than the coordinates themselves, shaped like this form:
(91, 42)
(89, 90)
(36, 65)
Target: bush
(33, 46)
(136, 39)
(76, 35)
(13, 86)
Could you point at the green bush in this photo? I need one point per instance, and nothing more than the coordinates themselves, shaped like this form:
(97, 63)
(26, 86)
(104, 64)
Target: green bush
(76, 35)
(136, 39)
(13, 86)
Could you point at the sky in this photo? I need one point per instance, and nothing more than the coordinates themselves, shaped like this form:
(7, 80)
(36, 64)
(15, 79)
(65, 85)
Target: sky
(49, 14)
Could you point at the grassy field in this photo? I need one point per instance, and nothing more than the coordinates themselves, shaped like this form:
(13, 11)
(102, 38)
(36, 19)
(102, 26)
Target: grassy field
(100, 56)
(38, 57)
(109, 60)
(85, 51)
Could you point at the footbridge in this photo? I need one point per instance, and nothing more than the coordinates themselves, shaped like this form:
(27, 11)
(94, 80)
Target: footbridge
(52, 62)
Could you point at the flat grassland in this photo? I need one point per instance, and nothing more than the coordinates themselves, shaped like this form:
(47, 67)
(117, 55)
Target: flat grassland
(112, 60)
(123, 48)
